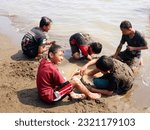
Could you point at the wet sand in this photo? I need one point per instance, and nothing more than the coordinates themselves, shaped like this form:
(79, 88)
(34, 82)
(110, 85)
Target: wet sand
(18, 88)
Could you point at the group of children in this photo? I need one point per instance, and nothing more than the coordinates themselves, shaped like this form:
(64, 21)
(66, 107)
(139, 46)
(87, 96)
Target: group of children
(117, 70)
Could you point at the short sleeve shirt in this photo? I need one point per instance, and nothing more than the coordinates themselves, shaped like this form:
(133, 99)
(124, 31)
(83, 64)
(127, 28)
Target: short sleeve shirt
(137, 41)
(39, 36)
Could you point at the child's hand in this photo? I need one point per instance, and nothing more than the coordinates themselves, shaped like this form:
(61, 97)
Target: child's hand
(82, 70)
(50, 42)
(130, 48)
(76, 72)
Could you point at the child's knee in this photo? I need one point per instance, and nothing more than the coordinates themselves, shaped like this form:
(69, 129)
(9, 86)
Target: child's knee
(74, 81)
(76, 55)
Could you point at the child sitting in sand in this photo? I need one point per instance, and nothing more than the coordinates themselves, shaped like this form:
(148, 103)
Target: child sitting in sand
(83, 42)
(33, 43)
(51, 84)
(117, 76)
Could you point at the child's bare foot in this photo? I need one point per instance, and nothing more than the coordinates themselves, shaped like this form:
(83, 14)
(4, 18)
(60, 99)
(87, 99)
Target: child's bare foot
(77, 96)
(94, 96)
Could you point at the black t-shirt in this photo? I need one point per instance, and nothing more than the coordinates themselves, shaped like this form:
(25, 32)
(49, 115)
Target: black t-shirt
(31, 41)
(137, 41)
(39, 35)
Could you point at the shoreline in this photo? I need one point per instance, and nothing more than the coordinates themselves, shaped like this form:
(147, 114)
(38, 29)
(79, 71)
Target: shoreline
(18, 88)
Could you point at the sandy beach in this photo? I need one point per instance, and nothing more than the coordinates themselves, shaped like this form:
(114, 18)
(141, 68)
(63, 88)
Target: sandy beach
(18, 88)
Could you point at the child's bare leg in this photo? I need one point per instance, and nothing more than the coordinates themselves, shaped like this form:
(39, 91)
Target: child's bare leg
(105, 92)
(78, 84)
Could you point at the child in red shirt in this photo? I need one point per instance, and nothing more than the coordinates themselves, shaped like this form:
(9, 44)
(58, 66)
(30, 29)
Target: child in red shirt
(51, 84)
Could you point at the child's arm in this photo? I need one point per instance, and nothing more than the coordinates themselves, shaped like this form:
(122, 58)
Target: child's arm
(130, 48)
(41, 50)
(76, 72)
(93, 72)
(49, 42)
(118, 50)
(89, 57)
(101, 91)
(83, 69)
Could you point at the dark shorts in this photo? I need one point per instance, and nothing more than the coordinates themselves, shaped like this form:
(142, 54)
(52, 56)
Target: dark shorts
(100, 83)
(74, 48)
(73, 43)
(30, 53)
(129, 58)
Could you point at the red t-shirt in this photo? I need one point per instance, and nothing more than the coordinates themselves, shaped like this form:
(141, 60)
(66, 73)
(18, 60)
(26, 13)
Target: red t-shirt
(48, 78)
(84, 50)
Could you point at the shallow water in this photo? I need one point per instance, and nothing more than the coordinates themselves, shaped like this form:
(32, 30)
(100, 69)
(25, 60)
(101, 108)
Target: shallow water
(100, 18)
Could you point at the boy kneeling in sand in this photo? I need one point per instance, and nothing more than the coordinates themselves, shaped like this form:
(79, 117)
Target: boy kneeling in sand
(81, 42)
(117, 76)
(35, 41)
(136, 42)
(51, 84)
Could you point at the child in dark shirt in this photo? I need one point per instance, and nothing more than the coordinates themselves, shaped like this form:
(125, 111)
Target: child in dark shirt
(135, 43)
(117, 76)
(33, 43)
(51, 84)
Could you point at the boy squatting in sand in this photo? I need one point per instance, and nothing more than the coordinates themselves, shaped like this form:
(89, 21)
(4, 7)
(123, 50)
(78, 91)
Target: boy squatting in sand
(117, 76)
(33, 43)
(83, 42)
(51, 84)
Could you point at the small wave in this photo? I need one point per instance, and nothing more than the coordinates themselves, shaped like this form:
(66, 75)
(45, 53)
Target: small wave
(143, 10)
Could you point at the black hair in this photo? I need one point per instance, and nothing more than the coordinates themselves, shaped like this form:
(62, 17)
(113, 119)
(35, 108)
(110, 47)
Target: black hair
(105, 63)
(53, 48)
(45, 21)
(125, 25)
(96, 47)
